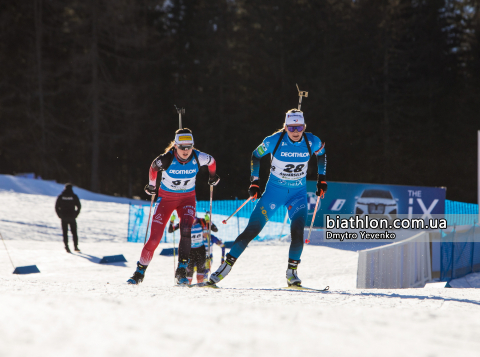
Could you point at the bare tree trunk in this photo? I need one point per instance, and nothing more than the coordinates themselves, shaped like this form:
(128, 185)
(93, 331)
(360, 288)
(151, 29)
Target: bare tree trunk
(38, 45)
(282, 56)
(95, 102)
(386, 117)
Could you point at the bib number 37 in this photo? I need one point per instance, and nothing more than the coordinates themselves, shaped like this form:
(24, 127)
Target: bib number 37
(179, 182)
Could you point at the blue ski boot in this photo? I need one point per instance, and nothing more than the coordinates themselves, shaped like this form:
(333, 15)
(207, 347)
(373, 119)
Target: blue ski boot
(139, 274)
(181, 273)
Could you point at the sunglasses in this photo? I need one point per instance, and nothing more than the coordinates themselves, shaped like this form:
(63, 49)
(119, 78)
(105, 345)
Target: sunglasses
(297, 128)
(185, 147)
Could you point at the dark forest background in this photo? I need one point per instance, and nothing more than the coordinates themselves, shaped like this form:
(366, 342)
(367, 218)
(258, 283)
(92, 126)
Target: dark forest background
(87, 88)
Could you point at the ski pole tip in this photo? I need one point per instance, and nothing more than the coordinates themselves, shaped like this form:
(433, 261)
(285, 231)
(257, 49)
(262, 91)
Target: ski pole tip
(224, 222)
(307, 241)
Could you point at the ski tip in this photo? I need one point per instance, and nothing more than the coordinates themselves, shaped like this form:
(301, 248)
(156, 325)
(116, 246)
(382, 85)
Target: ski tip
(210, 286)
(204, 285)
(300, 287)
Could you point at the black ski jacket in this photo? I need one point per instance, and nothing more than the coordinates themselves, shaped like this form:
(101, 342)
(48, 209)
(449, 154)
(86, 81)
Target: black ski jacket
(68, 205)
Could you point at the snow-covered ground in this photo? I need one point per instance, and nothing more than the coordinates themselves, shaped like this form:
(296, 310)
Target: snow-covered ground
(33, 217)
(77, 307)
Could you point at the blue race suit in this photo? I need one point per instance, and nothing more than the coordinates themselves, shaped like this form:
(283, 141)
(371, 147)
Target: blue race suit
(287, 185)
(199, 248)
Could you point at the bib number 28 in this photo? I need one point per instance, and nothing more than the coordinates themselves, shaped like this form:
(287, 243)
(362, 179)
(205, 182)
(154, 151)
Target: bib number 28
(290, 167)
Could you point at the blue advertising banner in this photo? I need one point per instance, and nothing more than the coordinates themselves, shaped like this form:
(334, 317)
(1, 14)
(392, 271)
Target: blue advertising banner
(386, 200)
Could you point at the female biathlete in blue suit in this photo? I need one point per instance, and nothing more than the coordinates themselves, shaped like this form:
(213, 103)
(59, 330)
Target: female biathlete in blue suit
(287, 185)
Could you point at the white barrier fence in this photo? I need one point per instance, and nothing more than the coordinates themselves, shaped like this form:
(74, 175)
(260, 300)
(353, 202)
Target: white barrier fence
(405, 264)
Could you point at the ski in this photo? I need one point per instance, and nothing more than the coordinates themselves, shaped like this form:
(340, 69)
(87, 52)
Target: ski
(203, 285)
(292, 287)
(299, 287)
(181, 286)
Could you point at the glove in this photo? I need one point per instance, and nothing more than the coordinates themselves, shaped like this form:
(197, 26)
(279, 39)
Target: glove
(254, 189)
(150, 190)
(321, 186)
(213, 181)
(170, 228)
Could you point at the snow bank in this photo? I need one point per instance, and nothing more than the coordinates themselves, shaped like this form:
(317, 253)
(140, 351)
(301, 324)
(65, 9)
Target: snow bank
(52, 188)
(466, 282)
(33, 217)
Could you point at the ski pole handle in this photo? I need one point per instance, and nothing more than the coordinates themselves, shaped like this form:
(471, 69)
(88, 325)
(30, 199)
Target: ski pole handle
(313, 219)
(238, 209)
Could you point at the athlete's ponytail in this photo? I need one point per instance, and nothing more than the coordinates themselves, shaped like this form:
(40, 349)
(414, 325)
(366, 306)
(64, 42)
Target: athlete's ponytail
(172, 143)
(278, 131)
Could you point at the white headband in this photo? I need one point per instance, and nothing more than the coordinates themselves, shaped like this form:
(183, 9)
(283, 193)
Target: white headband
(184, 139)
(294, 118)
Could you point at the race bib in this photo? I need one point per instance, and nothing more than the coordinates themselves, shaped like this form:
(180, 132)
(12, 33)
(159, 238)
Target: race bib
(289, 170)
(197, 240)
(178, 184)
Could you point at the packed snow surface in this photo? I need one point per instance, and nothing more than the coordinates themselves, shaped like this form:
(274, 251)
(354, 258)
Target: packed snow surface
(78, 307)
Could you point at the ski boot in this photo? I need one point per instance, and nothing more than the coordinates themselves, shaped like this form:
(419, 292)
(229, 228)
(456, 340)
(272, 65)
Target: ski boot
(292, 277)
(76, 249)
(200, 278)
(67, 249)
(222, 271)
(139, 274)
(181, 273)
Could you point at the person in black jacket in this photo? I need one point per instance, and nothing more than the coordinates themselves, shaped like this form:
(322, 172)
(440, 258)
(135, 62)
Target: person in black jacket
(68, 208)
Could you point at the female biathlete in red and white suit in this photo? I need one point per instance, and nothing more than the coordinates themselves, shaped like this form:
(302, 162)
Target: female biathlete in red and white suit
(179, 165)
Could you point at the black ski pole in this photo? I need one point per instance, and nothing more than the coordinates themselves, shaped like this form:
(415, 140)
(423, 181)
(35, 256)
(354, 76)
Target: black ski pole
(148, 222)
(7, 251)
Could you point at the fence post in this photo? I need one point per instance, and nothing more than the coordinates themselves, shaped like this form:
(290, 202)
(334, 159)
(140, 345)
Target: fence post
(453, 252)
(238, 217)
(129, 213)
(476, 243)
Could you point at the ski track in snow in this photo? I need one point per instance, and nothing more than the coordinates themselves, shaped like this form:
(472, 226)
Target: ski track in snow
(77, 307)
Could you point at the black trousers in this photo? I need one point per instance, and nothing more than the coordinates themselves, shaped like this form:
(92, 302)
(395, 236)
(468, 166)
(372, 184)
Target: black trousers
(73, 229)
(196, 259)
